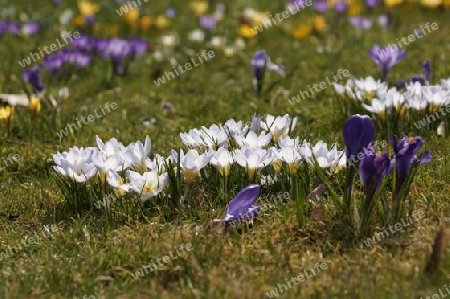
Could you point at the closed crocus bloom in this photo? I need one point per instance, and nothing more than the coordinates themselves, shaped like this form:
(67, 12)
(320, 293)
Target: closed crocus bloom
(208, 22)
(222, 160)
(6, 113)
(293, 159)
(241, 208)
(137, 154)
(192, 162)
(32, 77)
(35, 106)
(358, 133)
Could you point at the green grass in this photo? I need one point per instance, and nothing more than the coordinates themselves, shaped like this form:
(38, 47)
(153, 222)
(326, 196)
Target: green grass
(88, 255)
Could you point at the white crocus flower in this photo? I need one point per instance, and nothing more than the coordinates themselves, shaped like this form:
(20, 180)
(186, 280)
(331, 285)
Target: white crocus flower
(196, 35)
(192, 139)
(111, 147)
(253, 161)
(292, 157)
(445, 83)
(105, 164)
(368, 87)
(156, 164)
(254, 141)
(377, 106)
(137, 153)
(222, 160)
(435, 95)
(326, 158)
(74, 166)
(416, 102)
(214, 136)
(192, 162)
(288, 142)
(279, 126)
(235, 128)
(116, 181)
(149, 184)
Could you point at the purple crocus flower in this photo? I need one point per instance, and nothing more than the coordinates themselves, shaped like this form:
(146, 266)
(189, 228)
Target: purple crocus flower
(373, 168)
(360, 22)
(171, 12)
(372, 3)
(386, 57)
(30, 28)
(321, 6)
(116, 50)
(299, 3)
(208, 22)
(358, 133)
(341, 6)
(259, 64)
(32, 77)
(405, 155)
(84, 43)
(13, 28)
(241, 207)
(138, 47)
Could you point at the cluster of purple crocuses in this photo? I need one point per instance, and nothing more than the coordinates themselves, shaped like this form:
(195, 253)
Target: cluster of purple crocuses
(118, 51)
(358, 135)
(15, 28)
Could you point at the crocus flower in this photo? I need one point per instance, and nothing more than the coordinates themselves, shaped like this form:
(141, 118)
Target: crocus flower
(386, 57)
(259, 63)
(192, 162)
(341, 6)
(360, 22)
(32, 76)
(208, 22)
(384, 21)
(321, 6)
(241, 207)
(149, 184)
(405, 155)
(374, 166)
(222, 160)
(30, 28)
(358, 132)
(372, 3)
(253, 161)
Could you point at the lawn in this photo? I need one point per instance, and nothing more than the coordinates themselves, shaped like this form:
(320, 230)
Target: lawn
(100, 237)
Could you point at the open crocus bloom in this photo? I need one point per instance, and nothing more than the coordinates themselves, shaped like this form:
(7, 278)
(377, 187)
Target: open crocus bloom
(241, 207)
(149, 184)
(222, 160)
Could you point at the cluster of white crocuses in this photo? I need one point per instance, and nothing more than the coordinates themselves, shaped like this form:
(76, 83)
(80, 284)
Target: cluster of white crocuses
(414, 95)
(108, 160)
(263, 142)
